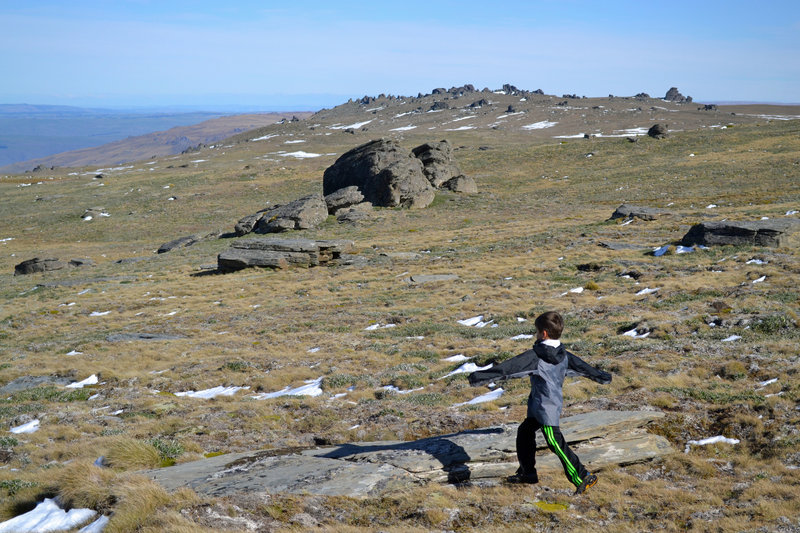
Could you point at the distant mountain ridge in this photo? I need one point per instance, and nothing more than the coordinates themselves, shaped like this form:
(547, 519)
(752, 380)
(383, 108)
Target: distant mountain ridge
(158, 144)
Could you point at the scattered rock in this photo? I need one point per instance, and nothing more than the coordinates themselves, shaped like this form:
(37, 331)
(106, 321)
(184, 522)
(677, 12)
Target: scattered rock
(773, 233)
(343, 198)
(385, 173)
(181, 242)
(304, 213)
(403, 256)
(479, 103)
(30, 382)
(246, 225)
(280, 253)
(438, 163)
(657, 131)
(462, 184)
(38, 265)
(94, 213)
(631, 211)
(81, 262)
(122, 337)
(622, 246)
(439, 106)
(355, 214)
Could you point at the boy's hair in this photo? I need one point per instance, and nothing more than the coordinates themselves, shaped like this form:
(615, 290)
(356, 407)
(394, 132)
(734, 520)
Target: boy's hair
(551, 322)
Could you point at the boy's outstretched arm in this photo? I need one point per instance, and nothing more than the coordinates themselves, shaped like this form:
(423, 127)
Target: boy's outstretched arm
(582, 368)
(518, 366)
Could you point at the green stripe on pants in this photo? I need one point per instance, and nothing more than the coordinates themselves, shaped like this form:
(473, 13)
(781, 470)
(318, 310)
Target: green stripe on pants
(551, 440)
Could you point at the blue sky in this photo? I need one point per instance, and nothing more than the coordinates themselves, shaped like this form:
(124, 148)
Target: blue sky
(319, 53)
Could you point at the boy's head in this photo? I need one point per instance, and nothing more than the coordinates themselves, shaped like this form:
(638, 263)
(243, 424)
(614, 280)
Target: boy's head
(549, 323)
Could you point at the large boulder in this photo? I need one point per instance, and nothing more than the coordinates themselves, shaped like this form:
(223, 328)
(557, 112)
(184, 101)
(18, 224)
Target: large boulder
(437, 159)
(36, 264)
(385, 173)
(749, 233)
(304, 213)
(657, 131)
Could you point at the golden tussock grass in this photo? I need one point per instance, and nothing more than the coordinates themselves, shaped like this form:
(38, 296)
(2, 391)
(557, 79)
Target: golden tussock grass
(529, 224)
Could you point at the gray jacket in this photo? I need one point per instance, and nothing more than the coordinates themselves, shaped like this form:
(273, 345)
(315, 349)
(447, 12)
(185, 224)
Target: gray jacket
(547, 366)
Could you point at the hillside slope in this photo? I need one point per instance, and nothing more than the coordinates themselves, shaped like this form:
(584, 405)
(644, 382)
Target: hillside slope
(157, 144)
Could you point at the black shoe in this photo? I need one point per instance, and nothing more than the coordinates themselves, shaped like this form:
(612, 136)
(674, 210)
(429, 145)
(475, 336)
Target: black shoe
(522, 478)
(588, 481)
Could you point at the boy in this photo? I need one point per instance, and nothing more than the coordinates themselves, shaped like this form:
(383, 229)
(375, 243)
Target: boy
(547, 364)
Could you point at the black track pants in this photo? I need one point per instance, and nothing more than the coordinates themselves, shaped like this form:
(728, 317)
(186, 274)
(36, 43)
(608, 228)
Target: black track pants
(526, 450)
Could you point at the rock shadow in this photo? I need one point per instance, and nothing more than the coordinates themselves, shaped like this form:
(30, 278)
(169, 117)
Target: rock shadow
(451, 455)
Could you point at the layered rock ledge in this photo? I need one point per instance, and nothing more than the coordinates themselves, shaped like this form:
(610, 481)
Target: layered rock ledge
(602, 439)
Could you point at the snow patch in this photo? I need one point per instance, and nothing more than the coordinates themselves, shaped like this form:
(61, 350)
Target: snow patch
(467, 368)
(29, 427)
(710, 440)
(488, 397)
(311, 388)
(457, 358)
(403, 128)
(213, 392)
(300, 154)
(91, 380)
(354, 126)
(49, 516)
(539, 125)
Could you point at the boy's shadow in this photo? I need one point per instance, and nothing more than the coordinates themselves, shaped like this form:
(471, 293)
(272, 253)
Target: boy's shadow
(452, 456)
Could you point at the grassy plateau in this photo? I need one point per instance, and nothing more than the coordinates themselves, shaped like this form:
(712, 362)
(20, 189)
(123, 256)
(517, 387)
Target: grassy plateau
(530, 235)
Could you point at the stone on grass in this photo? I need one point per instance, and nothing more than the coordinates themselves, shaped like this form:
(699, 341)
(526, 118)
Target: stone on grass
(36, 264)
(657, 131)
(774, 233)
(180, 242)
(636, 211)
(462, 184)
(385, 173)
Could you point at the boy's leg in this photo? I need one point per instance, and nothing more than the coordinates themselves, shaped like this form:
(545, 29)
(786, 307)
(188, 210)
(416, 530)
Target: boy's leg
(526, 447)
(573, 468)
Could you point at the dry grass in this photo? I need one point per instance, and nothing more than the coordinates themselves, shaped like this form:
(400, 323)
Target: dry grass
(256, 328)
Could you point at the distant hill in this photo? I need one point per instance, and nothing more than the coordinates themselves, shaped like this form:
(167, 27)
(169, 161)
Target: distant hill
(161, 143)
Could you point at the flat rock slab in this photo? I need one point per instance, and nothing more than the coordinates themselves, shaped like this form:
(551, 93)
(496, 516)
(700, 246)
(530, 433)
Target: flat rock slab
(281, 253)
(30, 382)
(749, 233)
(375, 468)
(295, 474)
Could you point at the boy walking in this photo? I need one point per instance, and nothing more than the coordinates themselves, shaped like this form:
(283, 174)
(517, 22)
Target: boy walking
(547, 364)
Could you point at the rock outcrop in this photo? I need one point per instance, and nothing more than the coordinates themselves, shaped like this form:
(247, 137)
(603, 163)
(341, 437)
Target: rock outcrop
(280, 253)
(180, 242)
(749, 233)
(371, 469)
(635, 211)
(674, 95)
(438, 162)
(36, 264)
(385, 173)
